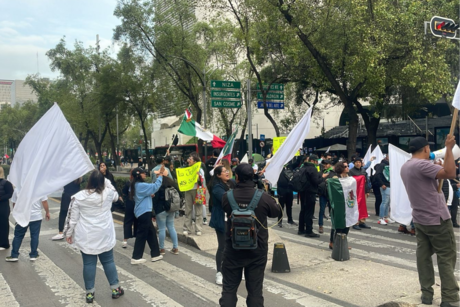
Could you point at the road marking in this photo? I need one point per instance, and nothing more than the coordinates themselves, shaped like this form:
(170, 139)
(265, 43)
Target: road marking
(63, 286)
(198, 286)
(6, 295)
(286, 292)
(151, 295)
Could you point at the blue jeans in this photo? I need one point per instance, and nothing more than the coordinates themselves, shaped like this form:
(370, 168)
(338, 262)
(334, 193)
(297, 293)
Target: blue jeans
(385, 205)
(165, 219)
(322, 207)
(89, 269)
(20, 232)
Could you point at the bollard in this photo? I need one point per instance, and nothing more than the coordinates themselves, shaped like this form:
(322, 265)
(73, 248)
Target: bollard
(280, 262)
(340, 251)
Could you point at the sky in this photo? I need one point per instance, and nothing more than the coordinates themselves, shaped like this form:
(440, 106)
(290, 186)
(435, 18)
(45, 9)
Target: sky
(31, 27)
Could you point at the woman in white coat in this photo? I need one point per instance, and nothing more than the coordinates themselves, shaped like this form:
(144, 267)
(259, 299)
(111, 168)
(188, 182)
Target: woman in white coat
(89, 226)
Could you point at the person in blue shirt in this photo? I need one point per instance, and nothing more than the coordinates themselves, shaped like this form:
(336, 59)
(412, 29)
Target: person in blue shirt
(142, 193)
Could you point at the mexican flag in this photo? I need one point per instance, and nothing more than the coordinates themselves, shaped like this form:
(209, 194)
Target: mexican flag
(192, 128)
(344, 201)
(226, 152)
(361, 195)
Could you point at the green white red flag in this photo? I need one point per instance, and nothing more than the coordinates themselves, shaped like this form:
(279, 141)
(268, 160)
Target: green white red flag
(344, 201)
(226, 152)
(192, 128)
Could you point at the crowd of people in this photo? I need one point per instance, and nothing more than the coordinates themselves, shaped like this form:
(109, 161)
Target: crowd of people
(85, 218)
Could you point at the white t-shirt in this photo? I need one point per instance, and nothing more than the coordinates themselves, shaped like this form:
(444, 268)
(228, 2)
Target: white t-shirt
(36, 211)
(255, 168)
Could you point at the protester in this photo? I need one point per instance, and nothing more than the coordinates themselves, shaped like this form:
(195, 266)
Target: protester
(34, 226)
(69, 190)
(190, 201)
(165, 219)
(130, 220)
(432, 220)
(308, 197)
(377, 193)
(285, 195)
(359, 170)
(141, 192)
(6, 191)
(227, 166)
(252, 261)
(383, 179)
(90, 227)
(220, 183)
(254, 166)
(160, 161)
(328, 172)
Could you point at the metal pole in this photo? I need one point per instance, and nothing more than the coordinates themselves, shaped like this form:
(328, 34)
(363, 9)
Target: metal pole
(118, 157)
(249, 107)
(426, 127)
(204, 113)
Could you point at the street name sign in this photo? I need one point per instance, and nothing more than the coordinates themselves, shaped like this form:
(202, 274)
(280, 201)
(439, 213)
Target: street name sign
(275, 87)
(271, 96)
(225, 84)
(270, 105)
(225, 103)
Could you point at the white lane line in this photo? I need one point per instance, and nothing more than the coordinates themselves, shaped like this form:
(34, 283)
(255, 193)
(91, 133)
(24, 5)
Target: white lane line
(360, 253)
(286, 292)
(6, 295)
(198, 286)
(151, 295)
(63, 286)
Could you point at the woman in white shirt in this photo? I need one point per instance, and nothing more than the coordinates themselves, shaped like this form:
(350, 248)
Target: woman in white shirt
(90, 227)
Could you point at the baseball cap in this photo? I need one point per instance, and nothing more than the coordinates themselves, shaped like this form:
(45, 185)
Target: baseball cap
(324, 161)
(417, 143)
(313, 157)
(244, 171)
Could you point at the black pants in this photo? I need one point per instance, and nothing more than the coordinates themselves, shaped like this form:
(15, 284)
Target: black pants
(232, 271)
(286, 199)
(146, 232)
(129, 221)
(4, 224)
(307, 208)
(453, 209)
(65, 202)
(378, 198)
(220, 250)
(333, 231)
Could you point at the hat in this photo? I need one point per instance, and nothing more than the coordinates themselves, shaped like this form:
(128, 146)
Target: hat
(326, 161)
(313, 157)
(234, 160)
(417, 143)
(244, 171)
(137, 171)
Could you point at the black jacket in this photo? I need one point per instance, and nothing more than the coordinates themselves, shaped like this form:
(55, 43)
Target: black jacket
(283, 184)
(445, 190)
(267, 207)
(159, 200)
(379, 178)
(314, 178)
(360, 172)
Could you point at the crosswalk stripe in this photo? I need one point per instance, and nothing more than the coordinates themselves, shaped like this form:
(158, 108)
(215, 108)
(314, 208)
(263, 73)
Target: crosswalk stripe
(198, 286)
(6, 295)
(151, 295)
(286, 292)
(61, 284)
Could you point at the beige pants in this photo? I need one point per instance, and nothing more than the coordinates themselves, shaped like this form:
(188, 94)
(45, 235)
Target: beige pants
(189, 203)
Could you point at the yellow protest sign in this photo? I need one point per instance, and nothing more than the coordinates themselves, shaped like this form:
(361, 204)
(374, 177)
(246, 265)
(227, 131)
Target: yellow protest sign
(187, 177)
(277, 144)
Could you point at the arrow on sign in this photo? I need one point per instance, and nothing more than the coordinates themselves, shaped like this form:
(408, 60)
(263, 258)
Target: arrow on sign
(214, 84)
(238, 94)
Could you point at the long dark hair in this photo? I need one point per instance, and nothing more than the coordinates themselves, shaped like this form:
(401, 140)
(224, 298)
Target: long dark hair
(96, 182)
(136, 173)
(216, 180)
(107, 172)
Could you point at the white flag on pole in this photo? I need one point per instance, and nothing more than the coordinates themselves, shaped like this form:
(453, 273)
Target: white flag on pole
(456, 100)
(401, 210)
(49, 157)
(378, 154)
(368, 155)
(288, 149)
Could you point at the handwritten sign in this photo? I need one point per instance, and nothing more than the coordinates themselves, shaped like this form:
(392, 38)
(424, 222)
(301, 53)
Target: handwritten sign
(187, 177)
(277, 142)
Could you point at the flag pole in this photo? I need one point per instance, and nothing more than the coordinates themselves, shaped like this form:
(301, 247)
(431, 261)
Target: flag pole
(452, 128)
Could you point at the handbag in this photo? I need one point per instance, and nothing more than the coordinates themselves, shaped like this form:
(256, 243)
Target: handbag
(200, 197)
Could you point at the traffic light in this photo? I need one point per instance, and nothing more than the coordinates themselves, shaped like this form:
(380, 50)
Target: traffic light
(443, 27)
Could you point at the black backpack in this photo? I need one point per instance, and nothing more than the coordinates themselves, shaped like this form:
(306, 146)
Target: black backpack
(243, 231)
(299, 180)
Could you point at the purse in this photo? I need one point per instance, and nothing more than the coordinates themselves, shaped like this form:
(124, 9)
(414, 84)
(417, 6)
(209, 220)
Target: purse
(200, 197)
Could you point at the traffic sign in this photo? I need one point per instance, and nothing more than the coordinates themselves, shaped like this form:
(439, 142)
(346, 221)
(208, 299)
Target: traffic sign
(262, 144)
(272, 96)
(225, 103)
(275, 87)
(225, 84)
(262, 137)
(270, 105)
(225, 94)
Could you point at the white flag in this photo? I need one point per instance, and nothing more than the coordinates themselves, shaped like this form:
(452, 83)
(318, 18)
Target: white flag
(456, 100)
(378, 154)
(368, 155)
(49, 157)
(401, 210)
(288, 149)
(245, 159)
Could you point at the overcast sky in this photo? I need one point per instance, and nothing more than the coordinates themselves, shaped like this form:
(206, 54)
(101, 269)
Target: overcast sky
(28, 27)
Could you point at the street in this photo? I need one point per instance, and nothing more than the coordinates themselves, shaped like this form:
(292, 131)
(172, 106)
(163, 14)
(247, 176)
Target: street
(382, 268)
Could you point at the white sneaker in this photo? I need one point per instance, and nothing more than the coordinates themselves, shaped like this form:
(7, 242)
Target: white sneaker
(11, 259)
(138, 261)
(58, 237)
(382, 222)
(2, 248)
(198, 233)
(158, 258)
(33, 258)
(205, 222)
(219, 278)
(390, 221)
(185, 233)
(125, 244)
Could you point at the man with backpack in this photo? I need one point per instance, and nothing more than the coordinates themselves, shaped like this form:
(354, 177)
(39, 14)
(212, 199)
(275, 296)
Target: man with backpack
(246, 246)
(309, 179)
(285, 194)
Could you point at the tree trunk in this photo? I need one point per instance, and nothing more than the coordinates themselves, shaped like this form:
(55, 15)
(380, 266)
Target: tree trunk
(85, 144)
(113, 146)
(372, 132)
(352, 129)
(146, 145)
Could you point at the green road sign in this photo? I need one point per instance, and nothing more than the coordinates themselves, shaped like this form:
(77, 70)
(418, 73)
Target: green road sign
(275, 87)
(225, 84)
(225, 94)
(226, 103)
(271, 96)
